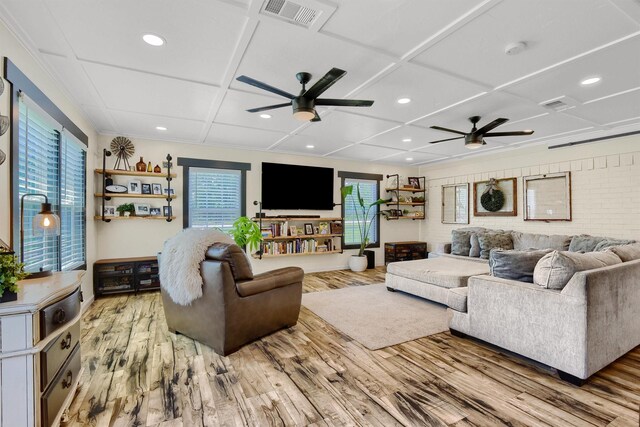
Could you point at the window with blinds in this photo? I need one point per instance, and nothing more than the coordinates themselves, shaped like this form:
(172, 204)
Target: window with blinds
(52, 163)
(353, 221)
(214, 197)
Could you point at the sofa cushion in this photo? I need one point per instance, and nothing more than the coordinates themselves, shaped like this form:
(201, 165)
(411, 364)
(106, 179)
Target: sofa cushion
(607, 243)
(474, 250)
(626, 252)
(237, 259)
(460, 242)
(584, 243)
(457, 299)
(444, 271)
(514, 264)
(490, 241)
(525, 241)
(555, 269)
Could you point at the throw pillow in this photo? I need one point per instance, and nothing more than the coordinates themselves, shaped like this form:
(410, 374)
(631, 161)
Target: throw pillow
(474, 251)
(460, 242)
(584, 243)
(524, 241)
(555, 269)
(607, 243)
(514, 264)
(490, 241)
(626, 252)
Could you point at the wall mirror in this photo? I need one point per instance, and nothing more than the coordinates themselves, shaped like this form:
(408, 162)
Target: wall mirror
(547, 197)
(455, 204)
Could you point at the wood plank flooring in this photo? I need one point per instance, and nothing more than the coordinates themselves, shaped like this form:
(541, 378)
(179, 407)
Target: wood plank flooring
(138, 374)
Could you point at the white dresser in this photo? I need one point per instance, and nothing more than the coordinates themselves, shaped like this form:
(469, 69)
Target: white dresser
(40, 350)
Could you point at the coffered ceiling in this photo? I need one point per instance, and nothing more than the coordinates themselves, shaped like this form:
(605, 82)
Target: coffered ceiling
(448, 57)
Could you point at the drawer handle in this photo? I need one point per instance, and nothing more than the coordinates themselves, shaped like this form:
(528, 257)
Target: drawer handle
(66, 383)
(66, 342)
(59, 316)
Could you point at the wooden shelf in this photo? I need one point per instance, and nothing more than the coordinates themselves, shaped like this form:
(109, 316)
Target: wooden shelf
(405, 203)
(135, 196)
(122, 218)
(405, 217)
(134, 173)
(301, 236)
(282, 219)
(299, 254)
(410, 190)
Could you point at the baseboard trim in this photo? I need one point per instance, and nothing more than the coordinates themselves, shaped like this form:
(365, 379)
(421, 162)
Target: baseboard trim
(87, 303)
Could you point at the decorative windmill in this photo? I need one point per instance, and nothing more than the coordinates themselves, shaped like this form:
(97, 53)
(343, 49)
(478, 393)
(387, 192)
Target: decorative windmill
(123, 149)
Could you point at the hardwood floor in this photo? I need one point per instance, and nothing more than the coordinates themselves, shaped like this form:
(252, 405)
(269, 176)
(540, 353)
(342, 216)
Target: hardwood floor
(136, 373)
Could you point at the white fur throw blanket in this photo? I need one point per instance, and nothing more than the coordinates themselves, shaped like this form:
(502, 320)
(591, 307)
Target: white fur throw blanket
(180, 262)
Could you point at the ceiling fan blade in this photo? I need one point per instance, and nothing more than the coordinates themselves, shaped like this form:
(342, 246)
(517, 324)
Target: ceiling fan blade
(264, 86)
(513, 133)
(316, 118)
(269, 107)
(448, 130)
(448, 139)
(344, 102)
(324, 83)
(494, 124)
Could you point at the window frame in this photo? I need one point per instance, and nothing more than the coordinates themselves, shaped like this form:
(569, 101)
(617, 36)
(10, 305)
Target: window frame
(344, 175)
(188, 163)
(21, 84)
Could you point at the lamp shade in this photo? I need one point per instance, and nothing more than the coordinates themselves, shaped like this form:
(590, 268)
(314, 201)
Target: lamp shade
(46, 223)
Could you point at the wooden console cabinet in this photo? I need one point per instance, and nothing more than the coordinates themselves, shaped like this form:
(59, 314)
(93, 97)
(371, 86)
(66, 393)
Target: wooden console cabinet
(404, 251)
(122, 275)
(40, 350)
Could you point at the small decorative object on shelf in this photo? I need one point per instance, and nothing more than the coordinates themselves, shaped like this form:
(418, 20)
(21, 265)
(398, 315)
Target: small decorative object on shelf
(126, 208)
(123, 147)
(141, 166)
(149, 167)
(157, 169)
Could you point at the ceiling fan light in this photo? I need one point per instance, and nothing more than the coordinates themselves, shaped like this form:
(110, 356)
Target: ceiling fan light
(304, 114)
(473, 145)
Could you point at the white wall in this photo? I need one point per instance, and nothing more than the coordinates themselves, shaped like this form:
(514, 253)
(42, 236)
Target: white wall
(605, 184)
(11, 48)
(141, 238)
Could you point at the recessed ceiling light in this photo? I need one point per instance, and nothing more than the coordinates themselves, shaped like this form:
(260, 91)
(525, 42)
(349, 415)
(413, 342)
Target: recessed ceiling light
(265, 116)
(406, 140)
(408, 159)
(153, 40)
(161, 128)
(404, 100)
(310, 146)
(590, 80)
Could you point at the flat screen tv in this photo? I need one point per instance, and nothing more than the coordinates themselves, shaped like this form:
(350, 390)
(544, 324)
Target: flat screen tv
(296, 187)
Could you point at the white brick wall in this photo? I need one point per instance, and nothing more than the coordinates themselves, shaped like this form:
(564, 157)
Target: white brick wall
(605, 184)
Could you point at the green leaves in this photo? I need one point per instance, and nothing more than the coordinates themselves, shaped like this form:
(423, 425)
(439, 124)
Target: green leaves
(11, 271)
(364, 216)
(246, 232)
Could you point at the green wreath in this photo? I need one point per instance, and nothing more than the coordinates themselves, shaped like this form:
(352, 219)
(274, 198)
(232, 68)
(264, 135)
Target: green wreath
(492, 201)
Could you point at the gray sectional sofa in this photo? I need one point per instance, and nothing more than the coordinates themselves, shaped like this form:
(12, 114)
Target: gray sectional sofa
(570, 302)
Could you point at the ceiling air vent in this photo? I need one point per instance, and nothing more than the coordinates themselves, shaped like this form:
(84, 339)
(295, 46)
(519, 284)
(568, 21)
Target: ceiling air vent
(560, 104)
(290, 12)
(556, 105)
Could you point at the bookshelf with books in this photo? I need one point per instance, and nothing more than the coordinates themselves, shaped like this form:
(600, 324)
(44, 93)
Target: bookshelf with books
(289, 236)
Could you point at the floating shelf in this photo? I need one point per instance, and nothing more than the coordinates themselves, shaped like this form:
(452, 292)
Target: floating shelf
(405, 203)
(123, 218)
(405, 217)
(408, 189)
(134, 173)
(274, 219)
(134, 196)
(301, 236)
(302, 253)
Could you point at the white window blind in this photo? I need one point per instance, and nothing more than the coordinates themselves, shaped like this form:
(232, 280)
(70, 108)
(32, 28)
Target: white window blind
(214, 197)
(53, 163)
(368, 191)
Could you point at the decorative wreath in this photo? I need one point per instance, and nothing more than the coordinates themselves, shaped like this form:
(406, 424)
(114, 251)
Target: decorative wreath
(492, 199)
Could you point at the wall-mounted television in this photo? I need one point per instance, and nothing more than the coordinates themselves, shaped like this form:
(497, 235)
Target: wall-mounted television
(296, 187)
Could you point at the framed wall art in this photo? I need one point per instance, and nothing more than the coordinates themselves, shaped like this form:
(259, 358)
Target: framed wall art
(496, 197)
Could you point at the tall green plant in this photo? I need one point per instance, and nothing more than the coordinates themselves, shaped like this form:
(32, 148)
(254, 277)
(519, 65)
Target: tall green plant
(10, 272)
(246, 233)
(364, 217)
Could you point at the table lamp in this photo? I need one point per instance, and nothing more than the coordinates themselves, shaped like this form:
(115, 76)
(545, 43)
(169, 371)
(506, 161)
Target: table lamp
(45, 223)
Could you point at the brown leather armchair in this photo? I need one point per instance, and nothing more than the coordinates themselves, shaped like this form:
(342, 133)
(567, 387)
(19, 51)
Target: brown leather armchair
(236, 307)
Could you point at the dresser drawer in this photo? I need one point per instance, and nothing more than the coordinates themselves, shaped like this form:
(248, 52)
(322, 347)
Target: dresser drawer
(59, 313)
(54, 354)
(59, 389)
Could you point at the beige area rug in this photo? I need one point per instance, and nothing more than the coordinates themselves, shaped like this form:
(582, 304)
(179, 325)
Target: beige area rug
(375, 317)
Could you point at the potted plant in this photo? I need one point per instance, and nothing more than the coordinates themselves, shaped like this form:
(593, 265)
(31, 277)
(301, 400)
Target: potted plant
(10, 272)
(126, 208)
(246, 232)
(364, 219)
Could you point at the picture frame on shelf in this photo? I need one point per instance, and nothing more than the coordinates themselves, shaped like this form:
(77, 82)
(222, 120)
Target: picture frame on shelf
(155, 212)
(323, 228)
(414, 182)
(167, 211)
(308, 229)
(142, 209)
(146, 188)
(293, 230)
(134, 186)
(156, 189)
(169, 192)
(109, 210)
(336, 227)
